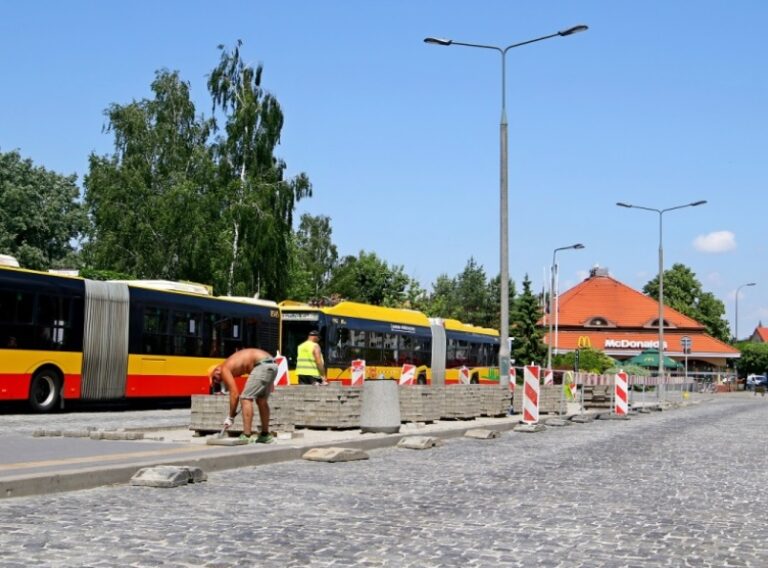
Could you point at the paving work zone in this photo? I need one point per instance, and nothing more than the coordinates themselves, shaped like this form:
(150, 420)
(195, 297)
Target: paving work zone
(673, 488)
(33, 465)
(40, 464)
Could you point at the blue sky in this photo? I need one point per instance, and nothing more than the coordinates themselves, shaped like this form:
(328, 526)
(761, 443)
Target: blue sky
(660, 103)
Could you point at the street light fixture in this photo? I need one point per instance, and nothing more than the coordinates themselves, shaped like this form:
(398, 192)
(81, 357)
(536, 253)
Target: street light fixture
(661, 272)
(503, 188)
(554, 296)
(736, 322)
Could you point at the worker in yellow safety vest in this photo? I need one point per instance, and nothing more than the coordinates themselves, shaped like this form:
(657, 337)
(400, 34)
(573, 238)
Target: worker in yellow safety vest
(310, 366)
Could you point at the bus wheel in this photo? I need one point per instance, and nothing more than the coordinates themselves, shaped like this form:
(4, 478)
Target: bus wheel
(44, 390)
(422, 379)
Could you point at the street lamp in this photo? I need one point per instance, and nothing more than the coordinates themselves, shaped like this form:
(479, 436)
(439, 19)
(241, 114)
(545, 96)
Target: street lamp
(553, 297)
(736, 321)
(504, 213)
(661, 272)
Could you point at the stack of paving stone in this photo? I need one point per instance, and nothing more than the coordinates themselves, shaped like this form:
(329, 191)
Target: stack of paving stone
(209, 411)
(597, 396)
(494, 400)
(331, 406)
(549, 399)
(420, 403)
(461, 402)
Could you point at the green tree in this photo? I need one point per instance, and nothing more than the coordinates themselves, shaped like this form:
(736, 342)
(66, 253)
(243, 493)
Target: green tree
(255, 201)
(528, 346)
(469, 297)
(753, 360)
(40, 216)
(368, 279)
(150, 201)
(315, 255)
(684, 293)
(590, 361)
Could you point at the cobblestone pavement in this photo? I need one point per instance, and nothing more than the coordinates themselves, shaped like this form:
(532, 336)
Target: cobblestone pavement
(684, 487)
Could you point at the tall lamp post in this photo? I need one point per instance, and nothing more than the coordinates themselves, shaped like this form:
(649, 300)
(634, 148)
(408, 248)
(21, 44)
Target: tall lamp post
(661, 272)
(503, 191)
(553, 295)
(736, 321)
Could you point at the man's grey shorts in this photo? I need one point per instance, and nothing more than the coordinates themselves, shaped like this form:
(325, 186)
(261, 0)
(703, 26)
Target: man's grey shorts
(259, 383)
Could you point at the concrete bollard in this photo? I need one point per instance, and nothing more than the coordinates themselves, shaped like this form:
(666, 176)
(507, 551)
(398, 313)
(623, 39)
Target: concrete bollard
(380, 410)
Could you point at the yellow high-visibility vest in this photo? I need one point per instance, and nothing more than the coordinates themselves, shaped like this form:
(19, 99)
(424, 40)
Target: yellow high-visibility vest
(305, 361)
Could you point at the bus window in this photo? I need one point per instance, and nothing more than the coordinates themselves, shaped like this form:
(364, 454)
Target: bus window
(155, 336)
(389, 354)
(404, 349)
(186, 333)
(422, 351)
(16, 309)
(52, 321)
(373, 350)
(356, 345)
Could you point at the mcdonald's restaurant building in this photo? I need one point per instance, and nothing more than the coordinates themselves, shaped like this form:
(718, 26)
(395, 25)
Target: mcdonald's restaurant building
(606, 315)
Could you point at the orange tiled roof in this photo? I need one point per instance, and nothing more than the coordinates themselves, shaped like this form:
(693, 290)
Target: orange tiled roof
(762, 333)
(623, 307)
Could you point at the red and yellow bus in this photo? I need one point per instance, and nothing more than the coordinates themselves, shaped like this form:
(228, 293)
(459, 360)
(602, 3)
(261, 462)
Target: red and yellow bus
(388, 338)
(68, 338)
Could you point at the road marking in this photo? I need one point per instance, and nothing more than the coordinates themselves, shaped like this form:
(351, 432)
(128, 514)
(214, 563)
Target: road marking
(99, 458)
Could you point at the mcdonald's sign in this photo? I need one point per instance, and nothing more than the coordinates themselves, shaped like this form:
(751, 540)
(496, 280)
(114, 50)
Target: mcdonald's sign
(584, 342)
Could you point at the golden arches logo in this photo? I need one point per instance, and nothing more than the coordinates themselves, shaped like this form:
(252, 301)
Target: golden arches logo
(584, 342)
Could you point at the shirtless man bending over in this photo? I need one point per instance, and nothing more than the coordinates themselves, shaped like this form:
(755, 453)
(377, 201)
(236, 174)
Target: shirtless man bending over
(261, 370)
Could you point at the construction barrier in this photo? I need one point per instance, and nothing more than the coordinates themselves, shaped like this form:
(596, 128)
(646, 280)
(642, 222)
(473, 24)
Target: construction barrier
(531, 394)
(358, 372)
(407, 374)
(621, 394)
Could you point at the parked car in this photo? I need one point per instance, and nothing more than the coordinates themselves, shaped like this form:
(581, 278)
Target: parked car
(757, 381)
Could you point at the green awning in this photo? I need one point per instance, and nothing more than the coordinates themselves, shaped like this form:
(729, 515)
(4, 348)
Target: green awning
(650, 359)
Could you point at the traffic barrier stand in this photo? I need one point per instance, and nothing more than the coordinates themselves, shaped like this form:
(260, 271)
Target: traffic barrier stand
(281, 378)
(407, 374)
(621, 394)
(531, 394)
(549, 377)
(358, 372)
(463, 375)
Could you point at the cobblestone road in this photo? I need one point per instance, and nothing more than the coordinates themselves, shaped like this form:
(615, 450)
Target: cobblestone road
(684, 487)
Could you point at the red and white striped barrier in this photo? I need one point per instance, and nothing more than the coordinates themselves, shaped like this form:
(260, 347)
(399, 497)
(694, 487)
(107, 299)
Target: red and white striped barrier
(512, 379)
(464, 376)
(531, 394)
(549, 377)
(407, 374)
(358, 372)
(621, 394)
(281, 378)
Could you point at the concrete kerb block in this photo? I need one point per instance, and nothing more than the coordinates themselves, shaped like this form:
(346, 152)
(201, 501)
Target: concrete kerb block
(334, 455)
(529, 428)
(582, 418)
(611, 416)
(419, 442)
(482, 434)
(166, 476)
(76, 433)
(557, 422)
(215, 440)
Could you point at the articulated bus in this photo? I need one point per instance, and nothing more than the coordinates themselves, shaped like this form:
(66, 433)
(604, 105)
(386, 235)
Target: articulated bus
(68, 338)
(388, 338)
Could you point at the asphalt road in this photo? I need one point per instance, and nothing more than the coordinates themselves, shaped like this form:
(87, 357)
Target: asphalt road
(684, 487)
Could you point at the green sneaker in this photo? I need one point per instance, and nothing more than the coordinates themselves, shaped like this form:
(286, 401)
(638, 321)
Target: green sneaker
(244, 438)
(264, 439)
